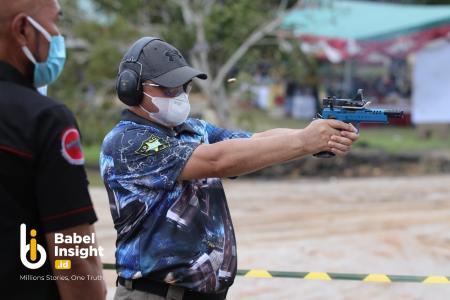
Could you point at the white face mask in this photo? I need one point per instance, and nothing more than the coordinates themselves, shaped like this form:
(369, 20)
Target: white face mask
(172, 111)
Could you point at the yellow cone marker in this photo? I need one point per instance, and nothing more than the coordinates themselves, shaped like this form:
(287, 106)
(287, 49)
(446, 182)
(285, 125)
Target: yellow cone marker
(258, 274)
(436, 279)
(317, 276)
(377, 278)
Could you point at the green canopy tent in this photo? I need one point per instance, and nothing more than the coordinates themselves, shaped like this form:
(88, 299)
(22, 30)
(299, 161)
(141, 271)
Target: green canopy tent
(359, 28)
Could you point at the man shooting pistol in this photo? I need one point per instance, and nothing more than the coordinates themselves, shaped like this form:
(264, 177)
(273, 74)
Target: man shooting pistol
(354, 111)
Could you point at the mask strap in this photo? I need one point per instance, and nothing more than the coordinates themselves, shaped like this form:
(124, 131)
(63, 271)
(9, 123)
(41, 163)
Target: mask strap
(148, 95)
(28, 54)
(40, 28)
(149, 113)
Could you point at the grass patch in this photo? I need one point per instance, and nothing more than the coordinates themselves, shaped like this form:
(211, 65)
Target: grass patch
(91, 155)
(399, 140)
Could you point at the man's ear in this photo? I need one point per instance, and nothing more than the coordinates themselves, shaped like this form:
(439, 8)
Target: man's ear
(20, 30)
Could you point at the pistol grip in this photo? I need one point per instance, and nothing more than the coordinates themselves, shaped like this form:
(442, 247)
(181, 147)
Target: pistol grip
(325, 154)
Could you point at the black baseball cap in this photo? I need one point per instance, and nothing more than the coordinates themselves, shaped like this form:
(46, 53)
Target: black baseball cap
(163, 64)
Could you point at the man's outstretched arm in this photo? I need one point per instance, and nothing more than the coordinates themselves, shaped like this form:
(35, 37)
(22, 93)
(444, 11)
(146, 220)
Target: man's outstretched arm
(240, 156)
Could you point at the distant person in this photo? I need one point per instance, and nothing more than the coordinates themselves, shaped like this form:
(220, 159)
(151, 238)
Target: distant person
(43, 183)
(291, 90)
(162, 170)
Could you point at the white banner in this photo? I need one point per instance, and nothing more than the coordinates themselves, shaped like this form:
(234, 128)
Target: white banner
(431, 85)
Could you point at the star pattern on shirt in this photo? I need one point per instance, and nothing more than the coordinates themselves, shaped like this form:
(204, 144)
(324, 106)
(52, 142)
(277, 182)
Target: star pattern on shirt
(152, 145)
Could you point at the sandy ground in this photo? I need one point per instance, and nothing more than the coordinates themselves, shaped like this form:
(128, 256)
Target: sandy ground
(365, 225)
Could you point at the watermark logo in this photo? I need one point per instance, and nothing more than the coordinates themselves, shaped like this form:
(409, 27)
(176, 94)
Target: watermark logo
(63, 264)
(65, 246)
(33, 247)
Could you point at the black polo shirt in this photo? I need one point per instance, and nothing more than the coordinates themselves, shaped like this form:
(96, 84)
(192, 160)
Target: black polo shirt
(43, 183)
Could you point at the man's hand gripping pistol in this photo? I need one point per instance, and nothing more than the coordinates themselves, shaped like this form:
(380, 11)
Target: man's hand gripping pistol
(354, 111)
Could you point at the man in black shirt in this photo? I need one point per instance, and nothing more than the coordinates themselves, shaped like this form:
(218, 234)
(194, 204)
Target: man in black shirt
(43, 184)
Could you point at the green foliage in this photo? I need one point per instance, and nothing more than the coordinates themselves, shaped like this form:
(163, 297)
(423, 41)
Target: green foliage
(99, 61)
(87, 84)
(91, 155)
(230, 24)
(95, 123)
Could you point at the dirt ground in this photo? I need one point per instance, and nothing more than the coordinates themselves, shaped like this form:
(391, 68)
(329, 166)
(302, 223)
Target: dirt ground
(396, 226)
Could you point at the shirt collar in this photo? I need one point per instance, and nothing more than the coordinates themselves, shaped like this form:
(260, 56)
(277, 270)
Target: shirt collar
(128, 115)
(11, 74)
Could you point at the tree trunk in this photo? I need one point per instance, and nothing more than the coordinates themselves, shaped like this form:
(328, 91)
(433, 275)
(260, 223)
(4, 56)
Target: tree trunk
(220, 104)
(213, 87)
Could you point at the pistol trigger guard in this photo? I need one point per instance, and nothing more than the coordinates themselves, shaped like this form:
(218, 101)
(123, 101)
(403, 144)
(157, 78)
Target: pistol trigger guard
(324, 154)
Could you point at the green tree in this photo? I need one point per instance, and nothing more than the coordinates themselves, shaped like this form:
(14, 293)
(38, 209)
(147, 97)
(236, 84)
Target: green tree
(213, 35)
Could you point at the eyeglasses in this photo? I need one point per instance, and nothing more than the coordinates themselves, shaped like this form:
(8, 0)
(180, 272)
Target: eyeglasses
(173, 92)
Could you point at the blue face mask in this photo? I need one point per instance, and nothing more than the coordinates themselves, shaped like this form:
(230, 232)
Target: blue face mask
(48, 71)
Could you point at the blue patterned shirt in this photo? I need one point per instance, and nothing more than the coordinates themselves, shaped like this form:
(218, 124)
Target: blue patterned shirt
(172, 231)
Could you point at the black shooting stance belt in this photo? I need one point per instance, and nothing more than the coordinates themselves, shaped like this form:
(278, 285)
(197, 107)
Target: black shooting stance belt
(162, 289)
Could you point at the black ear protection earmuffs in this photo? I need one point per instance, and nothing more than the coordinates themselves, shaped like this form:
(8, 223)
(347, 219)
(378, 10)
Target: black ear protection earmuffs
(128, 86)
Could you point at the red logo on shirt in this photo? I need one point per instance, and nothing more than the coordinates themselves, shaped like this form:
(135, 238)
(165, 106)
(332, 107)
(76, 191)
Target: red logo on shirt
(71, 147)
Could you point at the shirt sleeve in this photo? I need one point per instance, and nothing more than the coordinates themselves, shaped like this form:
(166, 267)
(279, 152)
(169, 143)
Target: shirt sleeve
(152, 161)
(63, 199)
(217, 134)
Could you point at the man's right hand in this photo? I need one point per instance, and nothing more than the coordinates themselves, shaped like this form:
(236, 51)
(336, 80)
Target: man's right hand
(328, 135)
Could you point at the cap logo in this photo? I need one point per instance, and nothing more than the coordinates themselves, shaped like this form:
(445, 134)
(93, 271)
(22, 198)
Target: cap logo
(172, 53)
